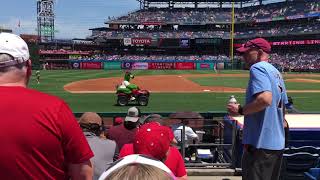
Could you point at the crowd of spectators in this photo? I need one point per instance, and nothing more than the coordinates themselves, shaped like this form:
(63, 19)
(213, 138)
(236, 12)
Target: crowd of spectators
(270, 11)
(296, 60)
(155, 57)
(239, 33)
(206, 16)
(197, 16)
(186, 16)
(279, 31)
(63, 51)
(159, 34)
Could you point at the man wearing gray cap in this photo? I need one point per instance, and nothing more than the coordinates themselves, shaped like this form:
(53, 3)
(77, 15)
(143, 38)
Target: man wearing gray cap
(40, 138)
(125, 133)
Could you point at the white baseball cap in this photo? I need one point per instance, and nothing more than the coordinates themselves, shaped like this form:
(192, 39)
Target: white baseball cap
(16, 47)
(133, 114)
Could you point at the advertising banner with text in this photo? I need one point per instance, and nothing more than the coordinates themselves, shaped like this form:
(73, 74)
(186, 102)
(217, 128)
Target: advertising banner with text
(185, 65)
(205, 66)
(139, 66)
(160, 65)
(141, 41)
(290, 43)
(298, 42)
(91, 65)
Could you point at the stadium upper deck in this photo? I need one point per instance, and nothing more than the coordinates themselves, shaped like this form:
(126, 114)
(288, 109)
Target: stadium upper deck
(261, 13)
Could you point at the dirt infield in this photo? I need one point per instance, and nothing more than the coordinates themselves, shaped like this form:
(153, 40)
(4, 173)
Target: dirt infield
(303, 80)
(162, 83)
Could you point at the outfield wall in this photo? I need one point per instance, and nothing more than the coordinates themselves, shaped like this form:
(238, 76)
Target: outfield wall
(154, 65)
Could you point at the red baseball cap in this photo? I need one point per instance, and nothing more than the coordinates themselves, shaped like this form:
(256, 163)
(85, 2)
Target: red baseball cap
(118, 120)
(259, 43)
(153, 140)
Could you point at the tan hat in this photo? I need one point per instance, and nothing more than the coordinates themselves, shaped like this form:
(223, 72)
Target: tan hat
(90, 117)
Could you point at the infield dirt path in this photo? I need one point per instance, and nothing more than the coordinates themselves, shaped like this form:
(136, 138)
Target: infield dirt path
(166, 83)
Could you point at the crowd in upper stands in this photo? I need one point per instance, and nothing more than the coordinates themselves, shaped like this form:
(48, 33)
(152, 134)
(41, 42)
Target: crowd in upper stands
(192, 16)
(278, 10)
(207, 16)
(278, 31)
(160, 34)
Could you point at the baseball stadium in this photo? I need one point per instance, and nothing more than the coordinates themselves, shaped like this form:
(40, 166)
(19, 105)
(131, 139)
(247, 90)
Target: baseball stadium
(179, 59)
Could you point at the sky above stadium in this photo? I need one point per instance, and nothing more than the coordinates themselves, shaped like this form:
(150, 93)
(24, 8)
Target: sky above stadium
(73, 17)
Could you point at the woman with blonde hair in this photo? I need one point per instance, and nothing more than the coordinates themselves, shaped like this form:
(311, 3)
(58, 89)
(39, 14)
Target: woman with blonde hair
(137, 167)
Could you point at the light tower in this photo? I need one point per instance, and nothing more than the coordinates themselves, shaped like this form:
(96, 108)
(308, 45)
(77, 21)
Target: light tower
(45, 19)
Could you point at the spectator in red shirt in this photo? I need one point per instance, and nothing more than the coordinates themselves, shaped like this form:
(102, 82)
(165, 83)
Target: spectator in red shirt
(40, 138)
(124, 133)
(154, 140)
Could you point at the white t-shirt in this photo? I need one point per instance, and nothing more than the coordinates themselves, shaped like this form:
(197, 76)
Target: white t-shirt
(189, 136)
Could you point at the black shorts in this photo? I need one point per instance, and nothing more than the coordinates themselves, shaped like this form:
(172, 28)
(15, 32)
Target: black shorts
(261, 164)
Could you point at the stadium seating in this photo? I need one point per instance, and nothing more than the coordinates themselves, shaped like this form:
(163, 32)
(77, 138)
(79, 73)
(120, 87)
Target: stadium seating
(312, 174)
(189, 16)
(300, 60)
(247, 33)
(297, 161)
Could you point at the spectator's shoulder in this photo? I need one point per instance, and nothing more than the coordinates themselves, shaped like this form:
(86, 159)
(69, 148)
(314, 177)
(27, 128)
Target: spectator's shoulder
(259, 65)
(108, 142)
(44, 99)
(114, 129)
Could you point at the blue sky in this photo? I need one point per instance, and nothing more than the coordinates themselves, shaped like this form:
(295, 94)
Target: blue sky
(73, 17)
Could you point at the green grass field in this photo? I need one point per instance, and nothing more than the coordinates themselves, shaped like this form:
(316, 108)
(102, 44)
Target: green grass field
(52, 82)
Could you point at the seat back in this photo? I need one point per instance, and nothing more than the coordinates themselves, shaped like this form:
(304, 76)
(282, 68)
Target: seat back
(294, 165)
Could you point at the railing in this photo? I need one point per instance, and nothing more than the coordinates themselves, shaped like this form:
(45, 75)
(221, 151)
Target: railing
(218, 139)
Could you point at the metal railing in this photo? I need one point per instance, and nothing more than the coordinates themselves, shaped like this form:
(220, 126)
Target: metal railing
(219, 138)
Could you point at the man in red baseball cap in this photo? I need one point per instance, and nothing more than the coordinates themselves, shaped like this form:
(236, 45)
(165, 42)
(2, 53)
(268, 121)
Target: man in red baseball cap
(254, 49)
(263, 130)
(154, 140)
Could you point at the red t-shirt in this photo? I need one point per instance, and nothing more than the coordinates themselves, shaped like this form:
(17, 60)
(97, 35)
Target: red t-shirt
(39, 136)
(174, 160)
(121, 135)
